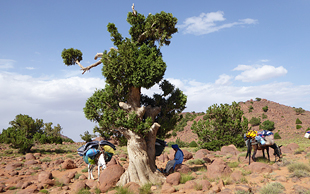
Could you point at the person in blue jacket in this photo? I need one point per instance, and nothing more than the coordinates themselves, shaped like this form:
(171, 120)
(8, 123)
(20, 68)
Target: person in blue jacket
(178, 159)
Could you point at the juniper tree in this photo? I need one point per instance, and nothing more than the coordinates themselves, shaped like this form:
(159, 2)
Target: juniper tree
(222, 125)
(135, 63)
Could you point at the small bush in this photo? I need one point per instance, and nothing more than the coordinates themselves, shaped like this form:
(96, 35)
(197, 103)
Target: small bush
(196, 161)
(272, 188)
(298, 166)
(145, 189)
(264, 116)
(299, 110)
(123, 190)
(298, 126)
(233, 164)
(258, 99)
(298, 121)
(265, 108)
(251, 108)
(277, 136)
(299, 174)
(174, 133)
(267, 125)
(193, 144)
(254, 121)
(44, 191)
(185, 177)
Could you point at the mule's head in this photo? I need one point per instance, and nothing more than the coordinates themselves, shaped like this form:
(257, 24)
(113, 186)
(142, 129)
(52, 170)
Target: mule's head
(277, 151)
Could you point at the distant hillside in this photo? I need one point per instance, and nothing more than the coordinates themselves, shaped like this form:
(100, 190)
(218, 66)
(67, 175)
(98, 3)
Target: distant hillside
(283, 116)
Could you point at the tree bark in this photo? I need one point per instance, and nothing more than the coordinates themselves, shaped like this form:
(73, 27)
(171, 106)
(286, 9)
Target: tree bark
(141, 169)
(141, 150)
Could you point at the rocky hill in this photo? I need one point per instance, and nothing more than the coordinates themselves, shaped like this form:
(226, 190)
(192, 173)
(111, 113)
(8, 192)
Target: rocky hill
(283, 116)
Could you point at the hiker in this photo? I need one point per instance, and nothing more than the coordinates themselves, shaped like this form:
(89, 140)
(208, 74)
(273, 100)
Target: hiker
(178, 159)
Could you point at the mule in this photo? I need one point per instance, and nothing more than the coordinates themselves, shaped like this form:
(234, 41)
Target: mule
(100, 162)
(252, 144)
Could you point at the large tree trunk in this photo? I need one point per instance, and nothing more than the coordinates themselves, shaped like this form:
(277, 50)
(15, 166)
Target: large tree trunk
(141, 167)
(141, 150)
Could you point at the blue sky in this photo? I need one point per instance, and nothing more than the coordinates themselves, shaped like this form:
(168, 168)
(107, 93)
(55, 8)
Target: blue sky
(224, 51)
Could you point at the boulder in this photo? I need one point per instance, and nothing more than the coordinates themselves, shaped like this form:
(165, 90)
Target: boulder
(206, 185)
(78, 185)
(236, 175)
(114, 172)
(30, 156)
(13, 166)
(190, 185)
(182, 168)
(43, 176)
(260, 167)
(167, 188)
(187, 155)
(174, 178)
(231, 149)
(68, 164)
(132, 187)
(200, 154)
(217, 169)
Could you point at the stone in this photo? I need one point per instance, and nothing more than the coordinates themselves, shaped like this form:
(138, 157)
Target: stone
(174, 178)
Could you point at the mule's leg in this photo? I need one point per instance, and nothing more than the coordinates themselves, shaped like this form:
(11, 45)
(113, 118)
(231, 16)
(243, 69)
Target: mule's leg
(98, 169)
(263, 150)
(88, 171)
(254, 153)
(267, 149)
(91, 171)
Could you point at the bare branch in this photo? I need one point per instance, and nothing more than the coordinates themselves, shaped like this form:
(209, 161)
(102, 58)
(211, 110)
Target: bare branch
(134, 12)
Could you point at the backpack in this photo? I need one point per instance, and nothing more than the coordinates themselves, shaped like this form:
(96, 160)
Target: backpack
(159, 146)
(91, 149)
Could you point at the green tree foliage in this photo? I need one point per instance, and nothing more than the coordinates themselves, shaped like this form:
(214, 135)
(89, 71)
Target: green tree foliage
(277, 135)
(267, 125)
(299, 110)
(298, 126)
(298, 121)
(265, 108)
(87, 137)
(255, 121)
(224, 126)
(258, 99)
(193, 144)
(251, 108)
(264, 116)
(137, 62)
(25, 131)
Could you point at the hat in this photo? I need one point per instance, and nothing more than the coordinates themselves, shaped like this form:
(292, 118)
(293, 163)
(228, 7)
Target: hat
(175, 146)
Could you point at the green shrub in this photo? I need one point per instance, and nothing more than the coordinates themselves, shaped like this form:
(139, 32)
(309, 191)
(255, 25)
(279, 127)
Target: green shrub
(298, 166)
(123, 190)
(299, 110)
(267, 125)
(251, 108)
(185, 177)
(180, 143)
(277, 136)
(84, 191)
(265, 108)
(193, 144)
(298, 126)
(196, 162)
(254, 121)
(145, 189)
(298, 121)
(44, 191)
(264, 116)
(174, 133)
(258, 99)
(87, 137)
(272, 188)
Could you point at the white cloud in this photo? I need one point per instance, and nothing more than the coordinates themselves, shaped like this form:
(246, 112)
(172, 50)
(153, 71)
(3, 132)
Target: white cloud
(62, 100)
(258, 73)
(58, 100)
(30, 68)
(6, 63)
(224, 80)
(206, 23)
(202, 95)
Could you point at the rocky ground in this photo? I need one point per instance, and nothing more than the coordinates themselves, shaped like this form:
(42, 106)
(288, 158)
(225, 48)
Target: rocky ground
(58, 169)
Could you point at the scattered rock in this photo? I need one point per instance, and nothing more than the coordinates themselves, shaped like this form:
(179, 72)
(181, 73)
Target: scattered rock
(217, 169)
(114, 172)
(174, 178)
